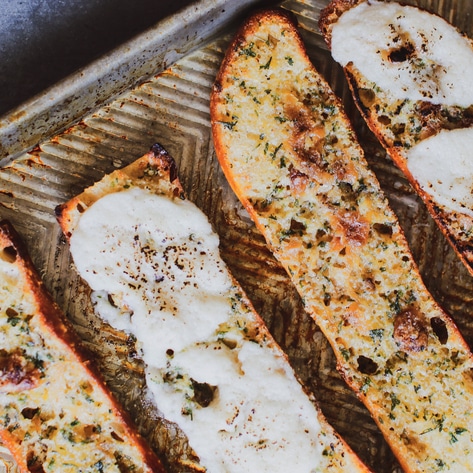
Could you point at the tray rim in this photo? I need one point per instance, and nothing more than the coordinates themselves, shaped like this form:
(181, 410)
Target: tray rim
(92, 86)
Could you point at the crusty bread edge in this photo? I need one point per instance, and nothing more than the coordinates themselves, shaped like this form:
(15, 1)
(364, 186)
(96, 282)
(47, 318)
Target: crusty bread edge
(139, 173)
(330, 14)
(56, 325)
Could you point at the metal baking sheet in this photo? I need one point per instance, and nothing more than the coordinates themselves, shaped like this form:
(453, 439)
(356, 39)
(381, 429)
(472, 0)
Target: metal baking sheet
(156, 89)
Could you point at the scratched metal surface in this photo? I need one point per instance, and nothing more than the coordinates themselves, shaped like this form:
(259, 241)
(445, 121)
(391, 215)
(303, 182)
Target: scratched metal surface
(171, 107)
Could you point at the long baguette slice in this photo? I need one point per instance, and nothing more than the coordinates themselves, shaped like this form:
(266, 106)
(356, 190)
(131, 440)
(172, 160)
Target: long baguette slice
(410, 75)
(212, 367)
(55, 413)
(292, 158)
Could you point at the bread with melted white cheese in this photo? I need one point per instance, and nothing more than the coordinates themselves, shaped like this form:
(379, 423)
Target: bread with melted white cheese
(410, 75)
(152, 262)
(292, 157)
(55, 413)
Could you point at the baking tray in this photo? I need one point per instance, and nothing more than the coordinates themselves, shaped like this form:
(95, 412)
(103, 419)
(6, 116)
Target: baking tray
(156, 88)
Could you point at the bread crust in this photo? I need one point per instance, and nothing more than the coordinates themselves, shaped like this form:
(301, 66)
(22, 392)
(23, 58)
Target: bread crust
(331, 13)
(454, 225)
(155, 171)
(51, 325)
(294, 163)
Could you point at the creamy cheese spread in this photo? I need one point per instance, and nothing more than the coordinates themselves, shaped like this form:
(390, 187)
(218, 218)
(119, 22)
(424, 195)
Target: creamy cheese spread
(406, 52)
(443, 166)
(154, 266)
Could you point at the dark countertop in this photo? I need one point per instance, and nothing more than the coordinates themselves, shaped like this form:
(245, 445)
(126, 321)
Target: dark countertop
(43, 41)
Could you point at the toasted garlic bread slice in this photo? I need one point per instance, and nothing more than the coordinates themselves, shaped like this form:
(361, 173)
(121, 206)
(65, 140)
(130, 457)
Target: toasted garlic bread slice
(55, 413)
(410, 75)
(152, 261)
(292, 158)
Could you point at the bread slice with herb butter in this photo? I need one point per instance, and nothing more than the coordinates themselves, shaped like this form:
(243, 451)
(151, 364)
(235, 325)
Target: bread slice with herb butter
(152, 261)
(410, 74)
(292, 158)
(55, 413)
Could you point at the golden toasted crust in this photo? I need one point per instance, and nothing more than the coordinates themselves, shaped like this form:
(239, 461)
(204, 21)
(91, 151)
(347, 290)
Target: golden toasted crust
(157, 172)
(292, 158)
(401, 124)
(54, 409)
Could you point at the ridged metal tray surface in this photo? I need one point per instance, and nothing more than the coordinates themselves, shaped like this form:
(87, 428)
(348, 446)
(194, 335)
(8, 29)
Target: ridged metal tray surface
(170, 105)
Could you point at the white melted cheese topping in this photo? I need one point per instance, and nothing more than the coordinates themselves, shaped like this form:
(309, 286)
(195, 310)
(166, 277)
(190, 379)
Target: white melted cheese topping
(438, 63)
(155, 269)
(443, 166)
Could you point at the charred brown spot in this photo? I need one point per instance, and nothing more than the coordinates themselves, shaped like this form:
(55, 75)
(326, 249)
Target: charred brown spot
(431, 118)
(327, 299)
(261, 205)
(203, 393)
(229, 343)
(349, 195)
(321, 234)
(355, 228)
(30, 412)
(8, 254)
(402, 54)
(299, 180)
(366, 365)
(116, 437)
(17, 371)
(296, 226)
(297, 113)
(367, 97)
(398, 129)
(111, 301)
(410, 330)
(440, 329)
(307, 138)
(427, 109)
(415, 445)
(218, 87)
(11, 313)
(34, 463)
(365, 283)
(383, 229)
(84, 433)
(81, 208)
(384, 120)
(457, 117)
(167, 161)
(124, 463)
(339, 169)
(311, 155)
